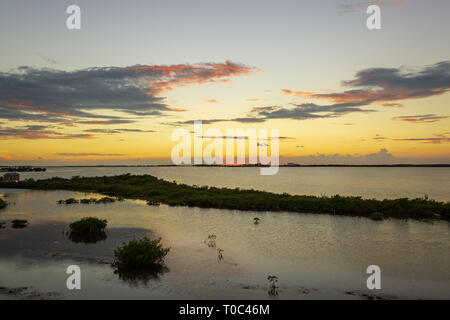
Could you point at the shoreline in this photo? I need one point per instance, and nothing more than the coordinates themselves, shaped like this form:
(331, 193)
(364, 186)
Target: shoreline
(291, 165)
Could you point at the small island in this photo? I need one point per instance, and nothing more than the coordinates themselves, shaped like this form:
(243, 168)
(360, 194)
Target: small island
(22, 169)
(155, 190)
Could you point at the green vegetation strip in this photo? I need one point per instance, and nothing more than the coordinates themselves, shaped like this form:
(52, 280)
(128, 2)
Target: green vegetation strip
(156, 191)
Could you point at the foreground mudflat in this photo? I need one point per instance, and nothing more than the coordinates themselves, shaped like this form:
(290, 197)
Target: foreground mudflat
(313, 256)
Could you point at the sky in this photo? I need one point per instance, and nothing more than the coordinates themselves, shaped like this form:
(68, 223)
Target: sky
(114, 91)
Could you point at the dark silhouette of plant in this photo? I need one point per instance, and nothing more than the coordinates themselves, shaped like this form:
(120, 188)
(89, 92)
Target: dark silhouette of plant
(19, 224)
(88, 226)
(3, 204)
(88, 230)
(273, 289)
(211, 241)
(140, 254)
(256, 220)
(68, 201)
(376, 216)
(89, 200)
(2, 225)
(219, 255)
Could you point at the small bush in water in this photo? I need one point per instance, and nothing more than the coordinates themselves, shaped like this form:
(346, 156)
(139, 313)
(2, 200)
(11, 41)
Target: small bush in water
(139, 254)
(88, 226)
(19, 223)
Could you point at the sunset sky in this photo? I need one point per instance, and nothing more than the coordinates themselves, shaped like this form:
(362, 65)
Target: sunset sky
(114, 91)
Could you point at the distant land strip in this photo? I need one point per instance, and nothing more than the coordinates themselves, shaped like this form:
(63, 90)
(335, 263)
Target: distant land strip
(156, 191)
(445, 165)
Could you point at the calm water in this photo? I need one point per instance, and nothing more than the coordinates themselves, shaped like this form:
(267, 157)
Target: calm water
(314, 256)
(380, 183)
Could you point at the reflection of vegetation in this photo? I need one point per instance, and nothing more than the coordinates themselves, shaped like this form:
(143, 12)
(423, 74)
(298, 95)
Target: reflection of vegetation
(18, 223)
(376, 216)
(140, 254)
(157, 190)
(143, 275)
(89, 201)
(273, 289)
(211, 241)
(3, 204)
(88, 230)
(90, 238)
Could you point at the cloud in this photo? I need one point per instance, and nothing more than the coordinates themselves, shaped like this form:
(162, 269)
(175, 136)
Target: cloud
(431, 140)
(90, 154)
(384, 85)
(361, 6)
(50, 60)
(392, 105)
(211, 121)
(224, 137)
(437, 139)
(116, 131)
(252, 100)
(243, 137)
(309, 111)
(212, 101)
(50, 95)
(379, 138)
(425, 118)
(172, 76)
(382, 156)
(9, 133)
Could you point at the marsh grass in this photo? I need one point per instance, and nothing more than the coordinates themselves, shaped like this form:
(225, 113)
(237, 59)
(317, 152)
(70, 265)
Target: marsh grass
(155, 190)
